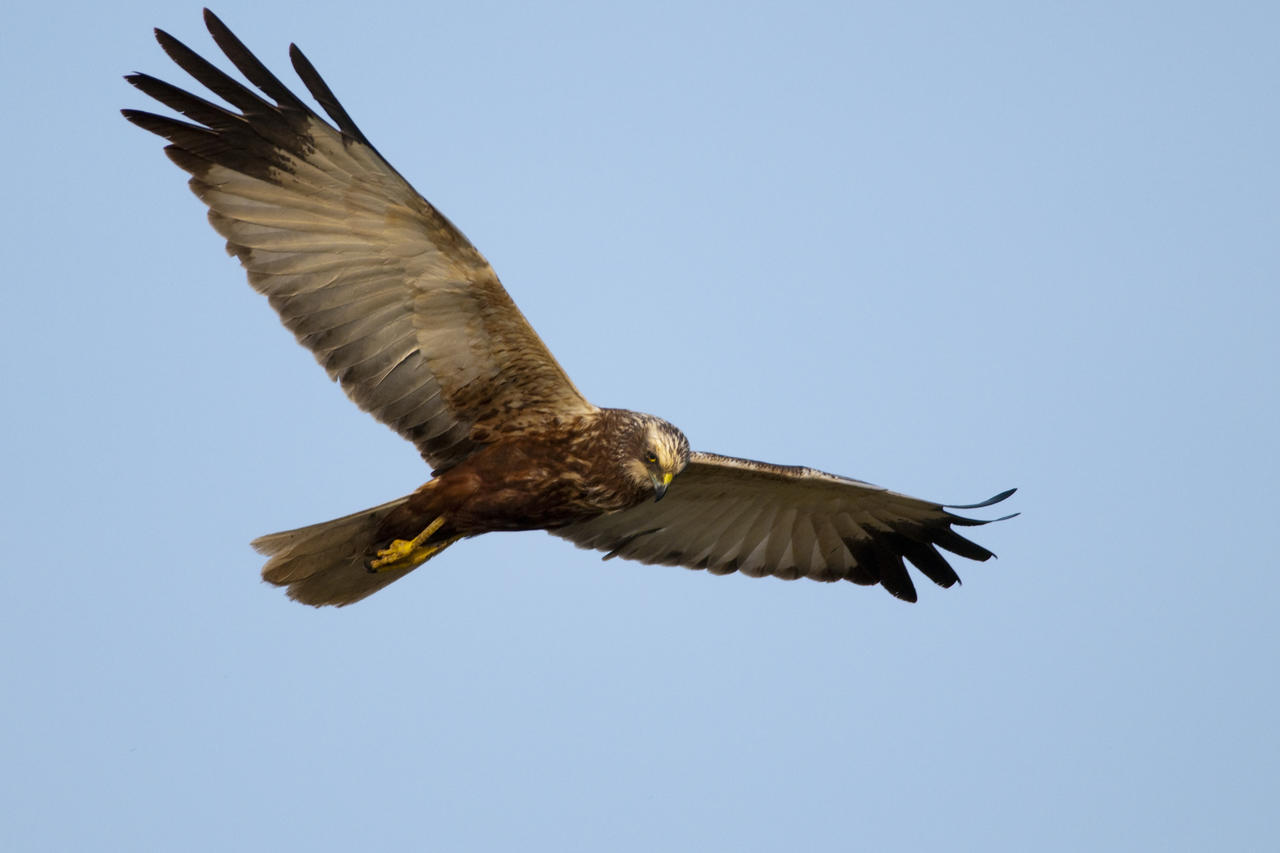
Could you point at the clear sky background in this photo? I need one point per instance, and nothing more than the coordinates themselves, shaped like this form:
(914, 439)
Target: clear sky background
(948, 248)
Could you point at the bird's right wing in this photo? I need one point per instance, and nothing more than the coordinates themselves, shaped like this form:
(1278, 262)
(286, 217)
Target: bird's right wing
(736, 515)
(391, 298)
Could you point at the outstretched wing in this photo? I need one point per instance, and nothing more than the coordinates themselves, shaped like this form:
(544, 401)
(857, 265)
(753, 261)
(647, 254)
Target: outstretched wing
(393, 300)
(735, 515)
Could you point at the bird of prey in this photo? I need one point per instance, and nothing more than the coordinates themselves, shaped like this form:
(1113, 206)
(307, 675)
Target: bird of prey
(408, 317)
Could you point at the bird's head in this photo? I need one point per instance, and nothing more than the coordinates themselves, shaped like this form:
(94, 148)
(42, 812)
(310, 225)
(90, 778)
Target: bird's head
(655, 453)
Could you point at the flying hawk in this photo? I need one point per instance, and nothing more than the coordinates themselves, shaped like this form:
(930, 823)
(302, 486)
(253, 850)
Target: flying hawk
(413, 323)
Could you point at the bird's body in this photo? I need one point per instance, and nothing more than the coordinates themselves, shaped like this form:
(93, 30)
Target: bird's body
(533, 482)
(411, 320)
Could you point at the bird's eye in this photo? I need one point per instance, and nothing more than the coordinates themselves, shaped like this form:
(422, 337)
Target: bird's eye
(651, 458)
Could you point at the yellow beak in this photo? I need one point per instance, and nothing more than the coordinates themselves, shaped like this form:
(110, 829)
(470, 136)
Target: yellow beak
(660, 486)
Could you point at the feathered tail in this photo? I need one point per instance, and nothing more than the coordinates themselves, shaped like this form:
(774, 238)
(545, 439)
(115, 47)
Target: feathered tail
(327, 563)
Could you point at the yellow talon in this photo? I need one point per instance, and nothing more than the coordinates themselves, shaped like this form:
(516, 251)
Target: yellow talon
(408, 553)
(393, 553)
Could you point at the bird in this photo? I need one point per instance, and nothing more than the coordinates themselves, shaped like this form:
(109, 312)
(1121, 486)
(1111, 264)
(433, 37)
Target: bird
(412, 322)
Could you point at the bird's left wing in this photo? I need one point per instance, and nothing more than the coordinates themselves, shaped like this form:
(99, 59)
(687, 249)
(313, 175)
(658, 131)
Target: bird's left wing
(736, 515)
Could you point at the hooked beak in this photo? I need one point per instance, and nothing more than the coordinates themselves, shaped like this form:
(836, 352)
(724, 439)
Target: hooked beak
(660, 486)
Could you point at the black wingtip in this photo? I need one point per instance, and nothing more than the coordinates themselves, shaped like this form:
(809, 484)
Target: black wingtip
(164, 39)
(995, 499)
(250, 66)
(324, 95)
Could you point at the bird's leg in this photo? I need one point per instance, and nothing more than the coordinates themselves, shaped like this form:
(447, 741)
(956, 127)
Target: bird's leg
(408, 553)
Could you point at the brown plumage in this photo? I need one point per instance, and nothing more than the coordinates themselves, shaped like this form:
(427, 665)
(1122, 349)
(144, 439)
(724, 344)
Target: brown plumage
(413, 323)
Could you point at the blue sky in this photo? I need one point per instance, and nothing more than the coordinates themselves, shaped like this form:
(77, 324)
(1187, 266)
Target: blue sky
(948, 248)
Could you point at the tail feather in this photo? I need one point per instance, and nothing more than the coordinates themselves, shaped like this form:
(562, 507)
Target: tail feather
(327, 563)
